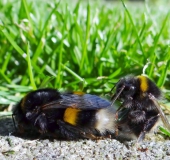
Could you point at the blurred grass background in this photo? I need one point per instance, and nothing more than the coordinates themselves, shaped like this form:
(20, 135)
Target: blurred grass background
(75, 45)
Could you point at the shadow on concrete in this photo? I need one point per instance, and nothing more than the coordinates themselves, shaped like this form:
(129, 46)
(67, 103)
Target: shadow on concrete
(6, 126)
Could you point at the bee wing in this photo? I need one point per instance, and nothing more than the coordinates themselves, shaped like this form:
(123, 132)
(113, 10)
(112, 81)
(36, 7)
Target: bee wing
(84, 102)
(163, 117)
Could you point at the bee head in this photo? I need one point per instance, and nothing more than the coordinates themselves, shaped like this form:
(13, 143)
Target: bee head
(127, 86)
(20, 122)
(27, 111)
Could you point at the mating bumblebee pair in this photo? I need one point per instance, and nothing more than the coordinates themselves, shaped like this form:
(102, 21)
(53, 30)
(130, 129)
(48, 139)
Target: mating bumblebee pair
(77, 115)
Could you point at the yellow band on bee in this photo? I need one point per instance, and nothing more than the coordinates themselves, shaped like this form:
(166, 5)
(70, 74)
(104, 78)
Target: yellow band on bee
(78, 93)
(143, 83)
(71, 115)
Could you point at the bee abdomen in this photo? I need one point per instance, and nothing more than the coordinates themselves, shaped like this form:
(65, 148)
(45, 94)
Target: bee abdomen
(101, 120)
(105, 120)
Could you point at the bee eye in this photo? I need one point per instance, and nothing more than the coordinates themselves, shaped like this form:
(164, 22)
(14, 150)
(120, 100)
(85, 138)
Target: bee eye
(129, 88)
(128, 91)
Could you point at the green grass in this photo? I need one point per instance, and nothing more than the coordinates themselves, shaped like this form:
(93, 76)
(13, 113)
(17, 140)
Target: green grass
(80, 46)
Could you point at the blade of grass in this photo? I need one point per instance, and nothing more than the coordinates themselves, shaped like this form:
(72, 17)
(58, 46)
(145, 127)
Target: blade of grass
(5, 114)
(164, 73)
(46, 81)
(5, 77)
(14, 44)
(58, 81)
(164, 131)
(6, 62)
(6, 101)
(19, 87)
(41, 44)
(45, 65)
(27, 13)
(133, 25)
(76, 9)
(73, 73)
(30, 69)
(153, 59)
(21, 52)
(84, 58)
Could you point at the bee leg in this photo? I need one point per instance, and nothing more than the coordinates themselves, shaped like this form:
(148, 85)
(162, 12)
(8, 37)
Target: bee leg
(147, 127)
(126, 104)
(41, 121)
(141, 136)
(89, 136)
(68, 131)
(73, 132)
(162, 115)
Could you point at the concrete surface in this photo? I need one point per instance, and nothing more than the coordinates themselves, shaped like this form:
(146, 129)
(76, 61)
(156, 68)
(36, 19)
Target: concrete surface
(15, 148)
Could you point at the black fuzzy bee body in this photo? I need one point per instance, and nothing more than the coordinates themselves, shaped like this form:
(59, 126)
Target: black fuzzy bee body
(65, 115)
(77, 115)
(138, 113)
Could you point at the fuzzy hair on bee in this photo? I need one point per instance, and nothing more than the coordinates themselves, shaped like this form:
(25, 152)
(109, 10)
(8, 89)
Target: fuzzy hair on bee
(70, 116)
(139, 110)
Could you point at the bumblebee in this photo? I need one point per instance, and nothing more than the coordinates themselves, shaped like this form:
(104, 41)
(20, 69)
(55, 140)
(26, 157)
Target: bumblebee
(65, 115)
(139, 110)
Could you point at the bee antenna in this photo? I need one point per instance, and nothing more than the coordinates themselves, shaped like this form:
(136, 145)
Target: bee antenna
(113, 86)
(114, 97)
